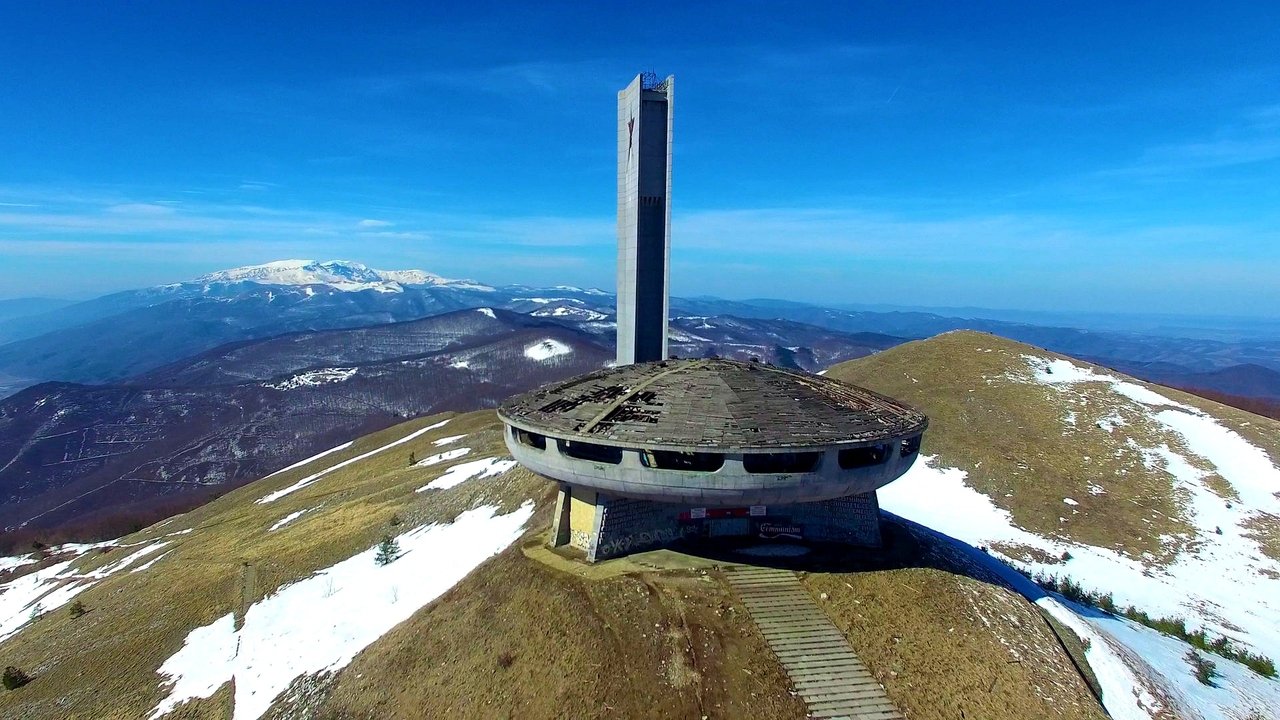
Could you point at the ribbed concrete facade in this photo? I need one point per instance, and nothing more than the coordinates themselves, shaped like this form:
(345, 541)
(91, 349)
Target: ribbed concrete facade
(644, 219)
(606, 526)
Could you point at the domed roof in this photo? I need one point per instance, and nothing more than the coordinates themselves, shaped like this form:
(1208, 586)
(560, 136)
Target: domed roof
(710, 403)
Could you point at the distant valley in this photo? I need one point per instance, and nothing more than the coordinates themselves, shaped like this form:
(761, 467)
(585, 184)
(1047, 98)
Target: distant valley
(89, 454)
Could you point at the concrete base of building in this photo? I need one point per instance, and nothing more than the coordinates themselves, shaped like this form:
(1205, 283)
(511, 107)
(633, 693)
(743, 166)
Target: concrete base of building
(605, 526)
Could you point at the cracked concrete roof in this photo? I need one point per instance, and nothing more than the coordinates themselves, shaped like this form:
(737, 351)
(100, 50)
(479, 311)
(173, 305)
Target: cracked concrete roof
(711, 403)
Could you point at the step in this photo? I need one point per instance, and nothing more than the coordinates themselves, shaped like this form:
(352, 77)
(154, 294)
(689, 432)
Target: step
(815, 654)
(801, 653)
(739, 580)
(779, 624)
(772, 618)
(846, 695)
(796, 667)
(840, 714)
(786, 637)
(854, 708)
(817, 677)
(811, 643)
(765, 600)
(792, 615)
(858, 705)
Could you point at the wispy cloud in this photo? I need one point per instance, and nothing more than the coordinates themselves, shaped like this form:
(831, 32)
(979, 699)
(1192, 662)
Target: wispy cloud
(857, 253)
(142, 209)
(1253, 138)
(519, 78)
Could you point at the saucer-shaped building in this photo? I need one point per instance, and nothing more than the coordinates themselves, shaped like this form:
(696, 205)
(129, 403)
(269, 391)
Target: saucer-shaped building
(655, 450)
(652, 452)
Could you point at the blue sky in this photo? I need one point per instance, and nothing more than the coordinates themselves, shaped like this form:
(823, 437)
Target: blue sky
(1077, 156)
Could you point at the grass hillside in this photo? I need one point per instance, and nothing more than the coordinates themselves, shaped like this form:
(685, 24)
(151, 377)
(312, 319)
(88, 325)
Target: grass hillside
(1158, 508)
(1027, 444)
(234, 602)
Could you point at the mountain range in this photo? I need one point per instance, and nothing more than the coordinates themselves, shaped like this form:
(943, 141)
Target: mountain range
(124, 334)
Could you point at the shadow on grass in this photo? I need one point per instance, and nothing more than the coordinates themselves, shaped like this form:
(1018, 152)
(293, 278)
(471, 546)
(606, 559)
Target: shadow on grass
(905, 545)
(899, 549)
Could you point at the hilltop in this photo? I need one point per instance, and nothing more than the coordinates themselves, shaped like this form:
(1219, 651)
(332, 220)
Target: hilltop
(1146, 499)
(275, 586)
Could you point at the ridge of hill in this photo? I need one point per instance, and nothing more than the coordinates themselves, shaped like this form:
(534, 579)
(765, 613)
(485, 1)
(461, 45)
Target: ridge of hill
(269, 603)
(1147, 499)
(269, 358)
(88, 454)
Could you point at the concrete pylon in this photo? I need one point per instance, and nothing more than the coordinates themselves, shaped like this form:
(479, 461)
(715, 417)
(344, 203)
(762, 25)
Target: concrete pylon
(644, 218)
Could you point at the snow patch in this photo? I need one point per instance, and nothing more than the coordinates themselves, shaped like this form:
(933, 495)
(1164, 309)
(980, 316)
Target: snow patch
(562, 311)
(313, 458)
(445, 456)
(1250, 471)
(321, 623)
(547, 349)
(1124, 694)
(448, 439)
(48, 589)
(11, 563)
(342, 275)
(289, 518)
(1056, 371)
(475, 469)
(313, 378)
(1241, 603)
(272, 497)
(146, 565)
(487, 311)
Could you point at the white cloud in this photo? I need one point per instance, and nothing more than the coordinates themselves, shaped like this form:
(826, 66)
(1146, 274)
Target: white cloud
(143, 209)
(367, 223)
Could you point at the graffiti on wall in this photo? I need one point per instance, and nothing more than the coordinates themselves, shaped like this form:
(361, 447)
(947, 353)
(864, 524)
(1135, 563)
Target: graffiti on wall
(612, 546)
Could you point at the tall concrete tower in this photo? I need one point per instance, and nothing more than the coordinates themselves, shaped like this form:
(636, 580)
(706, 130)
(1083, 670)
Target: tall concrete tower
(644, 217)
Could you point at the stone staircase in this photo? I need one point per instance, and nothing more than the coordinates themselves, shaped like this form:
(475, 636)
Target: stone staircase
(831, 680)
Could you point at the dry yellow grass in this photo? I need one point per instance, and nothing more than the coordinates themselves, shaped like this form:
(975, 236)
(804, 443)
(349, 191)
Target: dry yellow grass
(519, 639)
(947, 646)
(103, 665)
(1013, 439)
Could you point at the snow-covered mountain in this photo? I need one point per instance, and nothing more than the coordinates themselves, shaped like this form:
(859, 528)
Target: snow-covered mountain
(344, 275)
(119, 335)
(123, 334)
